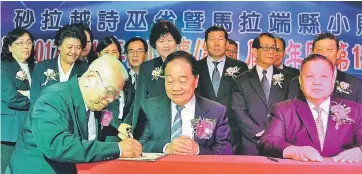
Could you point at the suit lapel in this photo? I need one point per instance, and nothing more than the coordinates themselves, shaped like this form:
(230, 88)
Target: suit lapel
(22, 85)
(275, 90)
(200, 112)
(256, 84)
(224, 79)
(81, 117)
(163, 117)
(305, 114)
(206, 75)
(76, 68)
(341, 77)
(157, 85)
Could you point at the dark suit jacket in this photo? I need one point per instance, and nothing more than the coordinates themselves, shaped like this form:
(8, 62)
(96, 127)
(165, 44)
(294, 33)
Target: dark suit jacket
(157, 134)
(205, 89)
(38, 77)
(14, 106)
(55, 134)
(293, 124)
(250, 108)
(109, 133)
(355, 86)
(146, 88)
(293, 71)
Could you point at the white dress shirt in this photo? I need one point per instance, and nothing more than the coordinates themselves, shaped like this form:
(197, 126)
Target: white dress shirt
(187, 114)
(63, 77)
(325, 112)
(121, 105)
(25, 67)
(92, 130)
(132, 74)
(211, 65)
(269, 73)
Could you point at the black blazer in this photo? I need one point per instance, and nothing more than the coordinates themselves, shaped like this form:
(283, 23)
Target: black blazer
(355, 87)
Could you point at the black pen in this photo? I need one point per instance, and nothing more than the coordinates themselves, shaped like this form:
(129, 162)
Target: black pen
(272, 159)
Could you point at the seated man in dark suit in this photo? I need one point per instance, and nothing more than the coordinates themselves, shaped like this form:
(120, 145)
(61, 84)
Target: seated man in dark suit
(315, 124)
(183, 123)
(279, 58)
(58, 133)
(346, 86)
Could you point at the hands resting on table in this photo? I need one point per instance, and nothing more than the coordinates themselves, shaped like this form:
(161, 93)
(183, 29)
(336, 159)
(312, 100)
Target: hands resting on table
(308, 153)
(182, 145)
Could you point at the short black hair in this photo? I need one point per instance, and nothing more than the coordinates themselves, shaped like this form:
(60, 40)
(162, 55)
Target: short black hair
(189, 58)
(256, 42)
(323, 36)
(283, 41)
(70, 31)
(315, 57)
(233, 42)
(216, 28)
(10, 38)
(105, 42)
(162, 27)
(133, 39)
(91, 55)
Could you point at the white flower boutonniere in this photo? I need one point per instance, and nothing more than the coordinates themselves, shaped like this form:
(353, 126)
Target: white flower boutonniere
(343, 87)
(340, 113)
(51, 75)
(157, 73)
(232, 71)
(21, 75)
(277, 79)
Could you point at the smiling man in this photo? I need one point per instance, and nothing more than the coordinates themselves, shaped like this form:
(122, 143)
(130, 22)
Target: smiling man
(170, 128)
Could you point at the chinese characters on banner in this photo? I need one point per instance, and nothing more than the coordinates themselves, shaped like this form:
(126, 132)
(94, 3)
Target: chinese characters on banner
(135, 21)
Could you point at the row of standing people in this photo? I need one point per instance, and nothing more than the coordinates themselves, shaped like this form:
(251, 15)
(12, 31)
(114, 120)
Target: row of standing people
(244, 97)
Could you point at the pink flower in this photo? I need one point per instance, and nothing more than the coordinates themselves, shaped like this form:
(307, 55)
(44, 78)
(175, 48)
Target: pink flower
(106, 117)
(21, 75)
(203, 128)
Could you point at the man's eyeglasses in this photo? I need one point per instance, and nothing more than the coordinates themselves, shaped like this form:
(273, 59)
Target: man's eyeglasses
(112, 94)
(22, 44)
(279, 50)
(266, 48)
(232, 51)
(139, 51)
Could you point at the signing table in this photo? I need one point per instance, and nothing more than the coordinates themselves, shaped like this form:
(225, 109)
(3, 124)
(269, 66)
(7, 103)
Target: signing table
(220, 164)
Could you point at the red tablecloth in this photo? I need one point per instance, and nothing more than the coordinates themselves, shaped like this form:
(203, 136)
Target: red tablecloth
(220, 164)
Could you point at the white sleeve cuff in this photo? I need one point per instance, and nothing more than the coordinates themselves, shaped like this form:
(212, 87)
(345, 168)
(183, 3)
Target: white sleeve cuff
(164, 148)
(120, 150)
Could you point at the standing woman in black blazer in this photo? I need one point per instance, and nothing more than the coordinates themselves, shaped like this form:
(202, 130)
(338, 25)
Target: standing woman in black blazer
(17, 62)
(164, 37)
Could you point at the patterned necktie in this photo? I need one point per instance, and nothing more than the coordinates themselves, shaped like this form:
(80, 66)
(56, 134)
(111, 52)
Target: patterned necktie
(216, 78)
(176, 129)
(265, 85)
(135, 75)
(320, 126)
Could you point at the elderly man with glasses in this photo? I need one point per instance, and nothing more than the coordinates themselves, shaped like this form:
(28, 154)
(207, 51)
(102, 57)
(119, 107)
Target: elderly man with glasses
(59, 132)
(255, 91)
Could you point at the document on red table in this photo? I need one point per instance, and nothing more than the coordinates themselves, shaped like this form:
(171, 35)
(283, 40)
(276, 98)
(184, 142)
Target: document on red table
(146, 157)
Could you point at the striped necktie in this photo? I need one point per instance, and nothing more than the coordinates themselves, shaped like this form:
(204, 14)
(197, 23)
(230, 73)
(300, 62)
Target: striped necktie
(176, 129)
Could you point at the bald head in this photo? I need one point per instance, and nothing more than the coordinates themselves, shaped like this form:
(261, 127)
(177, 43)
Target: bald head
(110, 66)
(102, 82)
